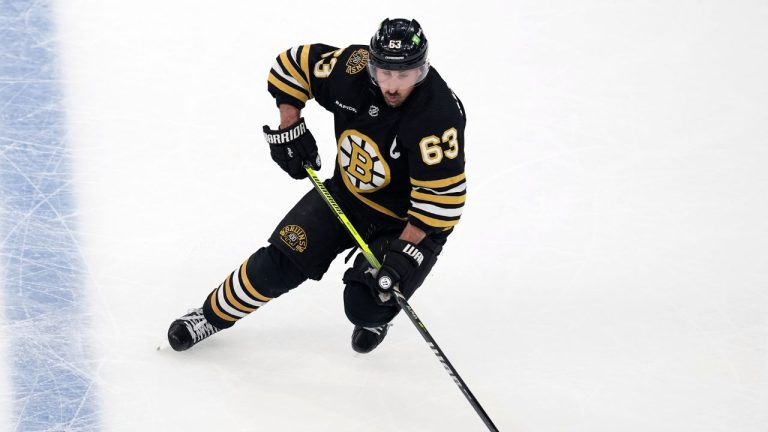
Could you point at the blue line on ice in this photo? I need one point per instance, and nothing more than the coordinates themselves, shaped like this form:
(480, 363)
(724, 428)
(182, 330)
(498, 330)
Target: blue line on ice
(44, 309)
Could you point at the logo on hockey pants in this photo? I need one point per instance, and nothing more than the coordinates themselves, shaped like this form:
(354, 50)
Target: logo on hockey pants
(413, 252)
(295, 237)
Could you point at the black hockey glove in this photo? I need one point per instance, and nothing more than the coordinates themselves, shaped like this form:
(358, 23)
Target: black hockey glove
(292, 147)
(400, 261)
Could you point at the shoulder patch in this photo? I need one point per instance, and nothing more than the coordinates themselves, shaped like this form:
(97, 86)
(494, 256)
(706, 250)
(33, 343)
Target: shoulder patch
(357, 61)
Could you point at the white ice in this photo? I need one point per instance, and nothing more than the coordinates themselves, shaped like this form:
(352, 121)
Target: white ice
(609, 273)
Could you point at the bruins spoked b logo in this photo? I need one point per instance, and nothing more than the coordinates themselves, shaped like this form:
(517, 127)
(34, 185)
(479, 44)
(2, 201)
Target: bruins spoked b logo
(295, 237)
(360, 159)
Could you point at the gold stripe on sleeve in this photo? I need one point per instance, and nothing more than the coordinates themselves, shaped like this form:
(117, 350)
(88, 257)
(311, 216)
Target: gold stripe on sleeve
(291, 70)
(305, 66)
(438, 183)
(250, 287)
(287, 89)
(432, 221)
(440, 199)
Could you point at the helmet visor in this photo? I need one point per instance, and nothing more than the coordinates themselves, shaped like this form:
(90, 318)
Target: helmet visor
(397, 78)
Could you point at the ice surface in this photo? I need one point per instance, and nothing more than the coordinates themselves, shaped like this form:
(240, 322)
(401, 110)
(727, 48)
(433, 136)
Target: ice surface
(43, 290)
(609, 272)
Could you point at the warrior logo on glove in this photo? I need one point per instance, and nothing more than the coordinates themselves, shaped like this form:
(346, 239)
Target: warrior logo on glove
(400, 262)
(292, 148)
(283, 137)
(415, 253)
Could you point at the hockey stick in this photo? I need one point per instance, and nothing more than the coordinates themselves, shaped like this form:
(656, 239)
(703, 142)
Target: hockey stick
(401, 300)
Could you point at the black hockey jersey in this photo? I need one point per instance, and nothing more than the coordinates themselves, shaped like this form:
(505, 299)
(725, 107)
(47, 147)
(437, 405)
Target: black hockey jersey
(405, 162)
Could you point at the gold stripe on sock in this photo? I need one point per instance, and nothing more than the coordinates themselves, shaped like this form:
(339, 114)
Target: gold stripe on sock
(250, 287)
(231, 297)
(219, 313)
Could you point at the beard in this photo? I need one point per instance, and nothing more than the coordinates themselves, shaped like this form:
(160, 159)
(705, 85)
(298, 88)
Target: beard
(394, 100)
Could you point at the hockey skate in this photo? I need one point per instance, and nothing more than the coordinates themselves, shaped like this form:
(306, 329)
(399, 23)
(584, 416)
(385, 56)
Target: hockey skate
(366, 339)
(189, 330)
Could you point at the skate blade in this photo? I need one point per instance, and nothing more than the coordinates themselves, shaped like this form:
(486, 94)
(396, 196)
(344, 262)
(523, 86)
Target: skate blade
(163, 346)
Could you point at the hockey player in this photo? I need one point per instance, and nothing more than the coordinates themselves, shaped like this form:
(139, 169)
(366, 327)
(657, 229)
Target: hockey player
(399, 177)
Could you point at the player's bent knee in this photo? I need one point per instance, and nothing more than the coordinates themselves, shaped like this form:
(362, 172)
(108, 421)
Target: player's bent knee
(362, 309)
(359, 304)
(272, 273)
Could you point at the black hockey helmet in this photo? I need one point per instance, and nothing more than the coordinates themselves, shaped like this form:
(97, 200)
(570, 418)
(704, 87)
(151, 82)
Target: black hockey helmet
(399, 44)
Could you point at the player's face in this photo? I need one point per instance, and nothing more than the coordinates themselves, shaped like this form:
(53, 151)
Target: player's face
(397, 85)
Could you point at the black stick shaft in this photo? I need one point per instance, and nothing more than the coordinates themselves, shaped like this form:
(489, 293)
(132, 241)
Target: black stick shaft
(402, 301)
(444, 360)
